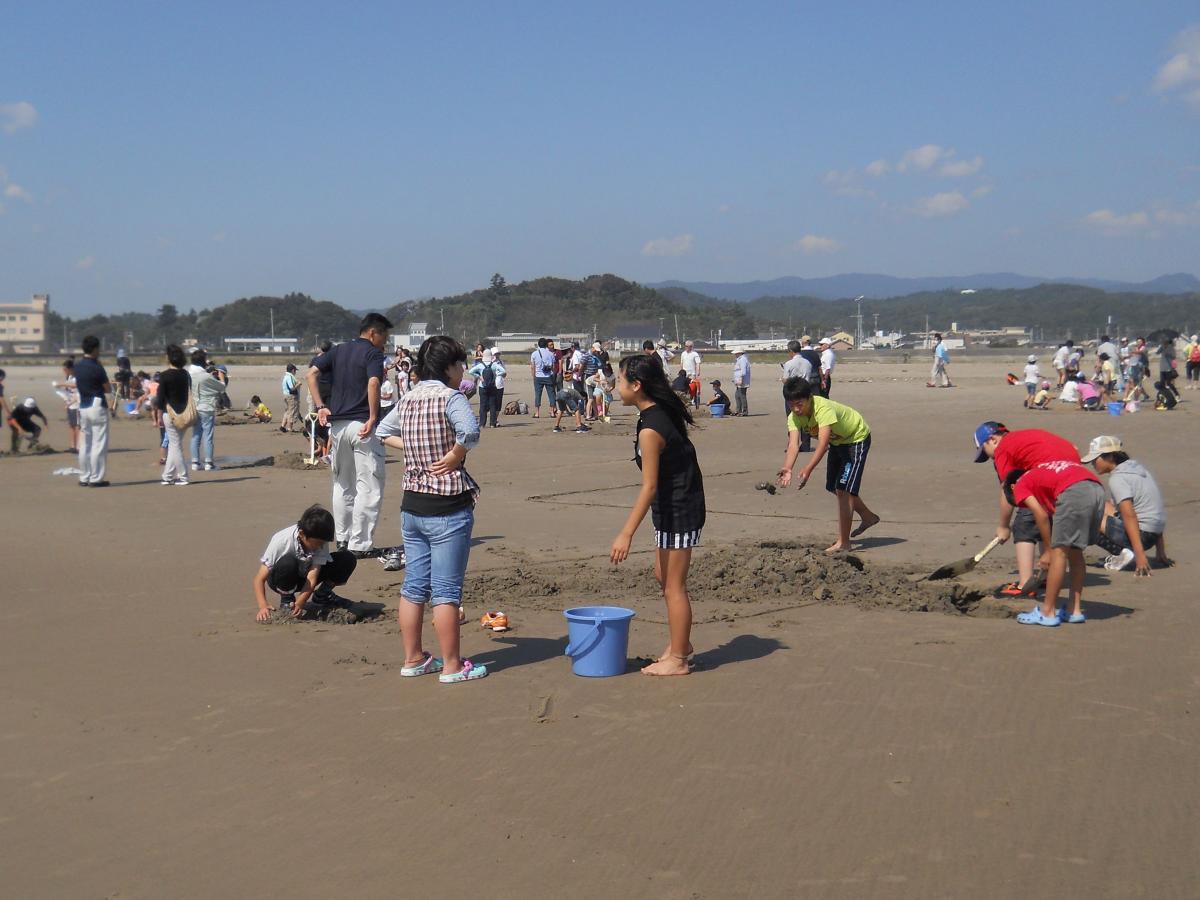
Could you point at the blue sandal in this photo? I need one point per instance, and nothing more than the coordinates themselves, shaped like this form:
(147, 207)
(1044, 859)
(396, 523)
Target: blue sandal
(1035, 617)
(430, 665)
(470, 672)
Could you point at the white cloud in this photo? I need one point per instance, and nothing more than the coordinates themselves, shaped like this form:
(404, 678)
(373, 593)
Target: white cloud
(1113, 224)
(948, 203)
(923, 158)
(847, 183)
(86, 263)
(1171, 217)
(878, 167)
(960, 168)
(15, 116)
(1181, 72)
(16, 192)
(812, 244)
(672, 246)
(982, 191)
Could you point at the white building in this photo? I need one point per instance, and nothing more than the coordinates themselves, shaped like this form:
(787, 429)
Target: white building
(260, 345)
(23, 325)
(414, 339)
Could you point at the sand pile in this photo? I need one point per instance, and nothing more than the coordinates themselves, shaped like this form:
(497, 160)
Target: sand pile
(290, 459)
(726, 583)
(348, 613)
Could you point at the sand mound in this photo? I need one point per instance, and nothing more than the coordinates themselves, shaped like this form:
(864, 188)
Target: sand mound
(348, 613)
(290, 459)
(727, 583)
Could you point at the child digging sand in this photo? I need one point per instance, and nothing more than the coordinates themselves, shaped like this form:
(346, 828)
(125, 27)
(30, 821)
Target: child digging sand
(673, 492)
(1074, 496)
(841, 432)
(297, 565)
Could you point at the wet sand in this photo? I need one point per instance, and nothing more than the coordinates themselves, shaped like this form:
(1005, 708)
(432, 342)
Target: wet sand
(836, 740)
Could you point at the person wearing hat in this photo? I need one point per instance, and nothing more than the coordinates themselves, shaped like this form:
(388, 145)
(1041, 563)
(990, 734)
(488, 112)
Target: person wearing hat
(828, 362)
(290, 387)
(1032, 376)
(485, 372)
(1135, 518)
(719, 396)
(664, 352)
(1010, 451)
(690, 361)
(1193, 363)
(23, 426)
(741, 381)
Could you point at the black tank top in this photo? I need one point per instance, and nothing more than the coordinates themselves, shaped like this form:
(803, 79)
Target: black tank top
(678, 505)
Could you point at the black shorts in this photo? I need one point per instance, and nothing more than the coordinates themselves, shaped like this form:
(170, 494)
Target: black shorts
(1024, 528)
(845, 465)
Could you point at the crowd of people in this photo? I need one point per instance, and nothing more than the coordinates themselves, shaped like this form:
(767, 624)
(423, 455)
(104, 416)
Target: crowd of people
(362, 402)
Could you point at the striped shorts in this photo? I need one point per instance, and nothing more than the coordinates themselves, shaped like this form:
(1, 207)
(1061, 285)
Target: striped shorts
(666, 540)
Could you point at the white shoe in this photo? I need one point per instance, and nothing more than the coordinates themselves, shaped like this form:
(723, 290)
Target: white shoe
(181, 482)
(1120, 561)
(195, 465)
(166, 482)
(210, 466)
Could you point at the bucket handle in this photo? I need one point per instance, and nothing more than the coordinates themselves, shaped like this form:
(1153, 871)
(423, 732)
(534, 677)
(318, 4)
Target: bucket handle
(577, 650)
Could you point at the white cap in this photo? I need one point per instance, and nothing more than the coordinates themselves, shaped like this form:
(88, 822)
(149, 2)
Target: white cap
(1105, 443)
(487, 356)
(29, 403)
(825, 341)
(1033, 357)
(596, 346)
(737, 351)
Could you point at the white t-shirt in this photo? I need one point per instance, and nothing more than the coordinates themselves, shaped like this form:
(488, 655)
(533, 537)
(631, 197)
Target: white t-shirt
(690, 361)
(1069, 393)
(828, 360)
(1031, 373)
(1061, 355)
(666, 355)
(387, 394)
(287, 542)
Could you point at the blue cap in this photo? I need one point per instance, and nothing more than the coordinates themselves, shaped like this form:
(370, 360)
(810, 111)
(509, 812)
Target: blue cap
(982, 433)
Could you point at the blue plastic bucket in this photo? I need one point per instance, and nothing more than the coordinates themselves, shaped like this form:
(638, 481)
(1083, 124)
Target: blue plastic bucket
(131, 407)
(598, 640)
(718, 410)
(1115, 408)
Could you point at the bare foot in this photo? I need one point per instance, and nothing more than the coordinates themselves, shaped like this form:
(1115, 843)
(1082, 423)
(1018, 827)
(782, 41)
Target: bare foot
(864, 525)
(837, 549)
(668, 665)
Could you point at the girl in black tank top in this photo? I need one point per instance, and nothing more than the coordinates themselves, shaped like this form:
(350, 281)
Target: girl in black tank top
(672, 491)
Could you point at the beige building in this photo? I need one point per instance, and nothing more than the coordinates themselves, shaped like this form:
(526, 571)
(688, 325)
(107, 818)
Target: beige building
(23, 325)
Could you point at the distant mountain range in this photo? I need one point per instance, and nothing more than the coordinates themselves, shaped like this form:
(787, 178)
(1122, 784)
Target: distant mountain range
(880, 287)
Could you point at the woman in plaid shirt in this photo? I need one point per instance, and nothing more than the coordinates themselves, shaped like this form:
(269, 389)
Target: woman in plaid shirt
(437, 428)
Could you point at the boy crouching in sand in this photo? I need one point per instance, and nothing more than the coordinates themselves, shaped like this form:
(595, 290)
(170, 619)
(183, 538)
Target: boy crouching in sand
(1074, 497)
(297, 565)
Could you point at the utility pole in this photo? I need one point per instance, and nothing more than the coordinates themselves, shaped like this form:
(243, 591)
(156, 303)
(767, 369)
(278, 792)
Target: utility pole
(926, 331)
(661, 331)
(443, 309)
(877, 323)
(272, 323)
(677, 329)
(858, 333)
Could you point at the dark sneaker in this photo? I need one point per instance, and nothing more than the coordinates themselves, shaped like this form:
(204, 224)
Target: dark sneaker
(393, 559)
(582, 429)
(557, 430)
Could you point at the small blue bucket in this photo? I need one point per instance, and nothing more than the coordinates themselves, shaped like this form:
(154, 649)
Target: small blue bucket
(598, 640)
(718, 410)
(130, 407)
(1115, 408)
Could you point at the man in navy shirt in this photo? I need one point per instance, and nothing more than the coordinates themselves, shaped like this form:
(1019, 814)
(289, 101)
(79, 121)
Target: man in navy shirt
(356, 454)
(92, 383)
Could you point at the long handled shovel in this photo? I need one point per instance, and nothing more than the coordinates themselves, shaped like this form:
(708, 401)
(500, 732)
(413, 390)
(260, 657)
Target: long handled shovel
(963, 566)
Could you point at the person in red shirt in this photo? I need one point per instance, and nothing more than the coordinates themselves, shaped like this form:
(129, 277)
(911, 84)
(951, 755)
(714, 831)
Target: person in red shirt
(1074, 497)
(1011, 450)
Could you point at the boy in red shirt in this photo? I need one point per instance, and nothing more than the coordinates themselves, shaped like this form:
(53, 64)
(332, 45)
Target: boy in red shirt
(1074, 497)
(1010, 450)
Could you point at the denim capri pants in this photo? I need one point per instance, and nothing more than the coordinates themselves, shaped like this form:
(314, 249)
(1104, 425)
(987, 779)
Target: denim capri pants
(436, 550)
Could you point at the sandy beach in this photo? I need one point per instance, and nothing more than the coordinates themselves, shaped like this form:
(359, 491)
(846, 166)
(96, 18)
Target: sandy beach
(846, 734)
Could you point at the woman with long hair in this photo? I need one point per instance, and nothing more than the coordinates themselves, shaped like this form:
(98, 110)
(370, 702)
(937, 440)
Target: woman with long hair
(672, 491)
(174, 391)
(437, 428)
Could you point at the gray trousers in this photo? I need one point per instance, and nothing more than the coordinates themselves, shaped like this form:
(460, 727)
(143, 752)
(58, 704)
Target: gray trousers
(742, 407)
(358, 476)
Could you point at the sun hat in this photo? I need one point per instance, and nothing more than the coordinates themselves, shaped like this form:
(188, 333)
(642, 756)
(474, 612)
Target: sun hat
(1033, 357)
(1045, 385)
(596, 346)
(29, 403)
(982, 433)
(1105, 443)
(736, 350)
(825, 341)
(806, 339)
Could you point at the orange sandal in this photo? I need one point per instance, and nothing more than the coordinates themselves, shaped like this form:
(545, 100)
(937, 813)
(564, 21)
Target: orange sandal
(497, 621)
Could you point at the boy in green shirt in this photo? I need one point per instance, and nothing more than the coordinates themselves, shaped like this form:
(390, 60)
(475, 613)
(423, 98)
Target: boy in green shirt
(844, 435)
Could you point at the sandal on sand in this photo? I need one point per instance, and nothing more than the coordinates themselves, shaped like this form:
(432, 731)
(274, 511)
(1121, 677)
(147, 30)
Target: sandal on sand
(1035, 617)
(469, 672)
(496, 621)
(428, 667)
(1074, 619)
(1012, 589)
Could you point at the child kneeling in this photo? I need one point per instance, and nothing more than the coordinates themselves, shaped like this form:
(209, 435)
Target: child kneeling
(298, 566)
(1075, 498)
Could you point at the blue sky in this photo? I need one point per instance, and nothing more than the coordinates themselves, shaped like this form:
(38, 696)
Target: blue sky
(161, 153)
